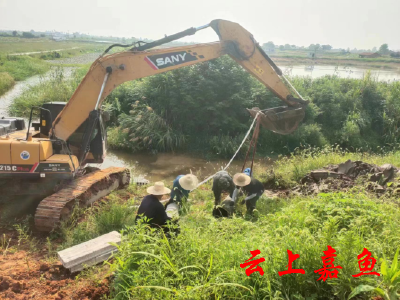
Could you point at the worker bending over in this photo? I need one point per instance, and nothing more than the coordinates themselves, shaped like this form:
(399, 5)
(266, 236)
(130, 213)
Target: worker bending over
(222, 182)
(251, 187)
(182, 186)
(152, 208)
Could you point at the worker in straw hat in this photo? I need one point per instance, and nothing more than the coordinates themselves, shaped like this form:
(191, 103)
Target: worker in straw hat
(152, 208)
(182, 186)
(251, 187)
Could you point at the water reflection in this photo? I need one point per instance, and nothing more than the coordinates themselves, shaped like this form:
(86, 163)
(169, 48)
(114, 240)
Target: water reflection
(316, 71)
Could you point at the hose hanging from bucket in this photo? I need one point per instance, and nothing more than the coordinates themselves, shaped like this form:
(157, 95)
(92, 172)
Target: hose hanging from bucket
(253, 143)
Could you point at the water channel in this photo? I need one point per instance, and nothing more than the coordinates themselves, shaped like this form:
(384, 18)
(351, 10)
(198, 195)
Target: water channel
(342, 72)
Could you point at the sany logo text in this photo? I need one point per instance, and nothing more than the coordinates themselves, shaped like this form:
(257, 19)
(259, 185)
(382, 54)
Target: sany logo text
(165, 60)
(173, 58)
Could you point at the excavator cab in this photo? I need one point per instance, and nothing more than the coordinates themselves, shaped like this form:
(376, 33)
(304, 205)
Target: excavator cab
(97, 139)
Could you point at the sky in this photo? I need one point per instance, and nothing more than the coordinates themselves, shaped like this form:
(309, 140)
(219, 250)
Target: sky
(360, 24)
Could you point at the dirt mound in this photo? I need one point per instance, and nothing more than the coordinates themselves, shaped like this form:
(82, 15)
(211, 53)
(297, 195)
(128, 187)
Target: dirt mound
(25, 275)
(346, 175)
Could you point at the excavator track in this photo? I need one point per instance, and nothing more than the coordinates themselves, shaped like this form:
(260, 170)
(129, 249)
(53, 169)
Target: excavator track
(82, 191)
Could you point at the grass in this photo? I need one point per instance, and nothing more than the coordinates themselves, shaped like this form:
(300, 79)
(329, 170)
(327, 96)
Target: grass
(55, 88)
(10, 45)
(6, 82)
(113, 213)
(288, 170)
(203, 261)
(23, 67)
(15, 68)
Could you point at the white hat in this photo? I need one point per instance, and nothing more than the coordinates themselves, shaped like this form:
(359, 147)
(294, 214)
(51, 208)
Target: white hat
(241, 179)
(158, 189)
(188, 182)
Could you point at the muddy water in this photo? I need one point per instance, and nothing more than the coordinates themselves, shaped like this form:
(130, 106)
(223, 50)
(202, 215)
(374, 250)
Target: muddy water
(167, 166)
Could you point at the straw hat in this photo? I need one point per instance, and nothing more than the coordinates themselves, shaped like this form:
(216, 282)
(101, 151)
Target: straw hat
(241, 179)
(188, 182)
(158, 189)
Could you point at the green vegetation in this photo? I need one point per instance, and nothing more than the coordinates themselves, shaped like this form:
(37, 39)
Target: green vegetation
(205, 103)
(22, 67)
(288, 170)
(203, 107)
(6, 82)
(203, 261)
(56, 88)
(114, 213)
(391, 281)
(19, 68)
(20, 45)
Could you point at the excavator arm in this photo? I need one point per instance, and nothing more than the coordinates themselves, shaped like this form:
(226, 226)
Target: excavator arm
(109, 71)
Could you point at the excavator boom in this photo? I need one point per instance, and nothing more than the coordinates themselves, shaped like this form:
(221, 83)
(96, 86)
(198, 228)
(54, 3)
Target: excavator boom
(109, 71)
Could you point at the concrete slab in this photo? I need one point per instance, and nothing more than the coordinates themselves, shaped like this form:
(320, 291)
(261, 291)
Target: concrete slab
(91, 252)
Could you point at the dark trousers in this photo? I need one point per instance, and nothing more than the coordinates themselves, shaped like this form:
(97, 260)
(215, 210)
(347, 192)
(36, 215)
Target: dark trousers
(251, 204)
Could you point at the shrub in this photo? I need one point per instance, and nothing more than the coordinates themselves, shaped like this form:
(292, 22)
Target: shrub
(148, 130)
(28, 35)
(118, 139)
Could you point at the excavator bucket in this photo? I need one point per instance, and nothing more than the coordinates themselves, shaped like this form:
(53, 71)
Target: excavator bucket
(282, 120)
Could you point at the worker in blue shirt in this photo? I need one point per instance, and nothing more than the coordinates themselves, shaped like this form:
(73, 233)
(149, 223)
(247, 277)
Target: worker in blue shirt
(247, 172)
(181, 187)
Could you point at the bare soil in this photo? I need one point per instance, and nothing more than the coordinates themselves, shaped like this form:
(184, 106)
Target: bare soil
(26, 274)
(377, 179)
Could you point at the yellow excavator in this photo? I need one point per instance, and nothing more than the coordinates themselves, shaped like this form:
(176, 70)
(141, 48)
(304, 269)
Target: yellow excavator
(51, 155)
